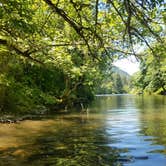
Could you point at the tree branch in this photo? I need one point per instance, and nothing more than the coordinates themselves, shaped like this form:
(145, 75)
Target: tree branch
(96, 14)
(26, 53)
(73, 24)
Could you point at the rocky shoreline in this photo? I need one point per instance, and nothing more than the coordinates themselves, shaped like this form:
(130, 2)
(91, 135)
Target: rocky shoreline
(11, 119)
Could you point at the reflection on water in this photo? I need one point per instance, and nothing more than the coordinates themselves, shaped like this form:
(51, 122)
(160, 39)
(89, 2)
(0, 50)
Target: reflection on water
(117, 128)
(138, 123)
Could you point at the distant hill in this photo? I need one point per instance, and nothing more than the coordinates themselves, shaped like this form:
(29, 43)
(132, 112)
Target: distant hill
(122, 73)
(115, 81)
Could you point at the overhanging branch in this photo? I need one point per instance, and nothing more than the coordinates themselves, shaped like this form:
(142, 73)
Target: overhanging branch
(26, 54)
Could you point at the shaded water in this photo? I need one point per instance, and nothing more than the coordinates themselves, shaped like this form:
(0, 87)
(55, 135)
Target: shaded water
(118, 130)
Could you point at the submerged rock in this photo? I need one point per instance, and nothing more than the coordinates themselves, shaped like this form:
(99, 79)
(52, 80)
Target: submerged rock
(141, 157)
(20, 153)
(8, 121)
(13, 119)
(123, 159)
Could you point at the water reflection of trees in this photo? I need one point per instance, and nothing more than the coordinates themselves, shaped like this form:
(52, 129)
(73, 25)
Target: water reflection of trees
(153, 119)
(152, 102)
(104, 103)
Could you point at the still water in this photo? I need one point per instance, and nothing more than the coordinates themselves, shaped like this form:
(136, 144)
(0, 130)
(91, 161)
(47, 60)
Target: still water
(118, 130)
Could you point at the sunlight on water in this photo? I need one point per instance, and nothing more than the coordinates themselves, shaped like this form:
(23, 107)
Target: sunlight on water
(138, 124)
(118, 130)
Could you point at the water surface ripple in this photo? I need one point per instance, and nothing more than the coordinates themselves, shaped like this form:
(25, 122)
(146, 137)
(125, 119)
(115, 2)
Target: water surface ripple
(118, 130)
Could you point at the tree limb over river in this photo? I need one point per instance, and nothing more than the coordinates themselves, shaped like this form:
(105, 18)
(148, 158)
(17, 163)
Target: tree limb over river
(55, 54)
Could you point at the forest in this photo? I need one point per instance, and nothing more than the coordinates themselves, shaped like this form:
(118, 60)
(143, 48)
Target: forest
(56, 54)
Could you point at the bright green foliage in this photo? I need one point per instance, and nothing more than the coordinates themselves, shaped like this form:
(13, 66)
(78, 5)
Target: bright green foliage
(152, 77)
(26, 86)
(118, 84)
(114, 81)
(53, 52)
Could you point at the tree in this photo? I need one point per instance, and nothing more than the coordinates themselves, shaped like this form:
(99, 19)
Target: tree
(53, 49)
(153, 71)
(93, 25)
(118, 86)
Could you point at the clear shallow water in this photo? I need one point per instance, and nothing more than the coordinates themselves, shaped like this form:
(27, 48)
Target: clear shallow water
(137, 123)
(117, 128)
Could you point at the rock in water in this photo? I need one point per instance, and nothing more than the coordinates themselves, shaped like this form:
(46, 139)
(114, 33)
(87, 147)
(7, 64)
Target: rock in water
(141, 157)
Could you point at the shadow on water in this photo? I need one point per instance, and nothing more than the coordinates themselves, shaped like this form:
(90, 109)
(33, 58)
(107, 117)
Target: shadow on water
(119, 130)
(68, 140)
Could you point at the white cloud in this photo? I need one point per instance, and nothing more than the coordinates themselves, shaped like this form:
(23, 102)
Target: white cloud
(130, 65)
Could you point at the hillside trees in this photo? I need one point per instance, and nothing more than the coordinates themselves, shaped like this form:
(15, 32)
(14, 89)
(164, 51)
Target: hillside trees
(114, 81)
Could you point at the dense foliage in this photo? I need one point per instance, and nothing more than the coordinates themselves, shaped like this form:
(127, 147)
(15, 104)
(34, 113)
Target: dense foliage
(152, 75)
(53, 53)
(114, 81)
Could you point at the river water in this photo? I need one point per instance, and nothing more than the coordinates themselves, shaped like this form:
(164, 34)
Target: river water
(117, 130)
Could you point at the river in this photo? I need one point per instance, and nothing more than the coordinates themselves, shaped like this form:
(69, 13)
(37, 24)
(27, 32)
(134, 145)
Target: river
(117, 130)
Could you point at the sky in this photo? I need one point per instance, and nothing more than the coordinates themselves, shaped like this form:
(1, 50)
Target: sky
(129, 65)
